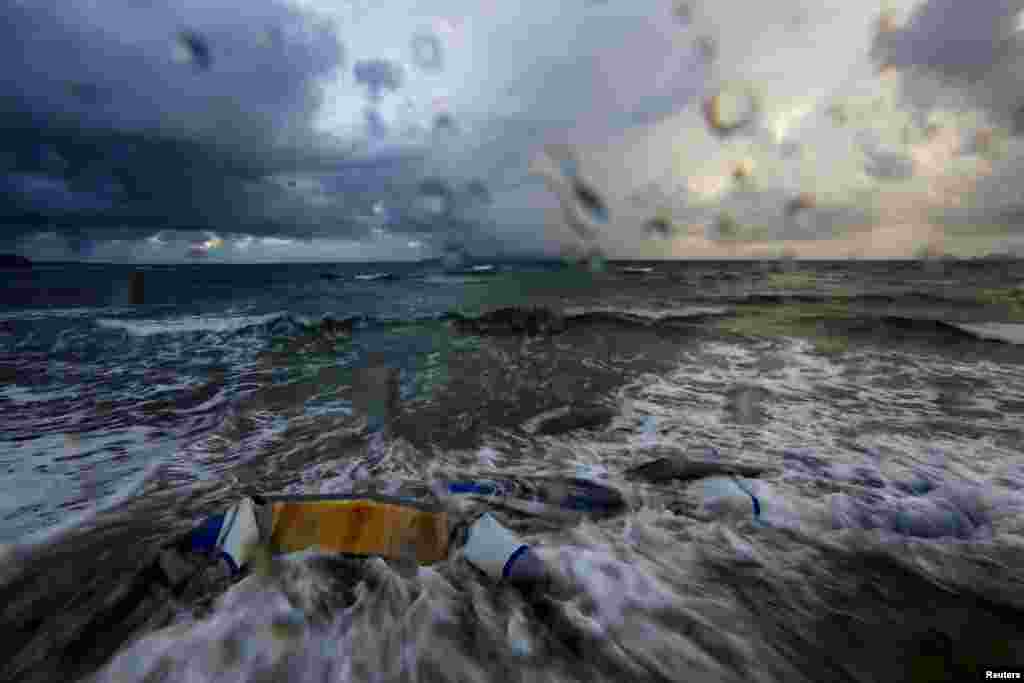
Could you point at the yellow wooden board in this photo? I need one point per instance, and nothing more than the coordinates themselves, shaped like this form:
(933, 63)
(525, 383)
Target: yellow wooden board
(360, 527)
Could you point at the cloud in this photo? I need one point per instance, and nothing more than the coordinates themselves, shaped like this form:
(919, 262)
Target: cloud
(337, 132)
(171, 146)
(883, 133)
(146, 117)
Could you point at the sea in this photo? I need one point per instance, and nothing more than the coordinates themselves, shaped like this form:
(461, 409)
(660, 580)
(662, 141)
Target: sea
(137, 400)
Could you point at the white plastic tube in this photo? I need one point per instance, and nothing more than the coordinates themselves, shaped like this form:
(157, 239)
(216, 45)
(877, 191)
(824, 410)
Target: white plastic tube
(499, 553)
(239, 533)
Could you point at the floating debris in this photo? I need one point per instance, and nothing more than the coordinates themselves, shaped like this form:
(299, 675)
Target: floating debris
(732, 110)
(379, 76)
(192, 48)
(427, 52)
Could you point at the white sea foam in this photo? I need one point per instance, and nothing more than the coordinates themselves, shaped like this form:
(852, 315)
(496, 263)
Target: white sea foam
(188, 324)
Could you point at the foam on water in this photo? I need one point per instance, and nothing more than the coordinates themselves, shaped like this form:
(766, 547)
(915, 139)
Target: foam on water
(62, 313)
(188, 324)
(879, 455)
(1011, 333)
(18, 553)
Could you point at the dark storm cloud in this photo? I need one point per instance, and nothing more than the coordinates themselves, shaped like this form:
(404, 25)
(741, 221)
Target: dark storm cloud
(974, 47)
(104, 129)
(959, 39)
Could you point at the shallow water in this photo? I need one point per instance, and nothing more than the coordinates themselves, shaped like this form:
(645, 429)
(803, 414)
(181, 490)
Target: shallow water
(892, 516)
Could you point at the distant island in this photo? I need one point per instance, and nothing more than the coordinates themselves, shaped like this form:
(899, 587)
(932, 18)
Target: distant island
(14, 261)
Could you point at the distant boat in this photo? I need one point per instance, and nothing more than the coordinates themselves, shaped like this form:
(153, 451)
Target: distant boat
(14, 261)
(636, 270)
(483, 270)
(371, 277)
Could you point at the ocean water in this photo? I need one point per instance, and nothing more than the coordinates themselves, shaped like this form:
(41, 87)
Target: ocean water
(887, 397)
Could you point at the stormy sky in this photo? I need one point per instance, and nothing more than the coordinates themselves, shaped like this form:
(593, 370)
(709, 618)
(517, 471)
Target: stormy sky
(183, 130)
